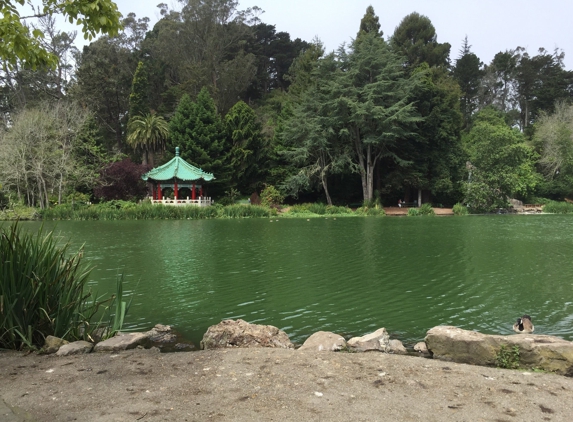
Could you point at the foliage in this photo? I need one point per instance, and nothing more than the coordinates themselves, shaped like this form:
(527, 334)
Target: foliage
(554, 139)
(41, 289)
(138, 99)
(370, 211)
(249, 150)
(415, 39)
(555, 207)
(125, 210)
(467, 72)
(500, 165)
(310, 139)
(230, 197)
(426, 209)
(148, 134)
(460, 209)
(45, 151)
(19, 45)
(271, 197)
(122, 180)
(198, 130)
(507, 358)
(372, 102)
(413, 212)
(318, 209)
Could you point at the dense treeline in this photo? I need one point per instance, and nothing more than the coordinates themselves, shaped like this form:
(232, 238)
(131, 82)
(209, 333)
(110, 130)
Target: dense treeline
(386, 117)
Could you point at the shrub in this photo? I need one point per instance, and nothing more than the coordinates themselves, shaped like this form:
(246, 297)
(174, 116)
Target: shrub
(122, 180)
(460, 209)
(426, 209)
(370, 211)
(42, 291)
(556, 207)
(271, 197)
(413, 212)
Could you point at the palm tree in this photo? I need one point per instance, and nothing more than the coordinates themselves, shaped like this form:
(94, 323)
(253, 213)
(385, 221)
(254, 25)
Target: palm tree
(148, 134)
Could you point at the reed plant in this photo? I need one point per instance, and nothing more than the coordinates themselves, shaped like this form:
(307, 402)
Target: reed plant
(148, 211)
(557, 207)
(43, 292)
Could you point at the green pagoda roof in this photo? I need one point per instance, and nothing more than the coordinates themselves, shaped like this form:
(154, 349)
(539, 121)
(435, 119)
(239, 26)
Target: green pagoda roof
(177, 168)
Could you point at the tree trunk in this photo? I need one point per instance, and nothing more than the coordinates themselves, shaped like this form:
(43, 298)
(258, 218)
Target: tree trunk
(325, 187)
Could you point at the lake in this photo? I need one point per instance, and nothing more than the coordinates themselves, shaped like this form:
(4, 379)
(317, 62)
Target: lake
(346, 275)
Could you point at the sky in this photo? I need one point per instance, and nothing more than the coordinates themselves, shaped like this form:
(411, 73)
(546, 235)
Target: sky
(490, 25)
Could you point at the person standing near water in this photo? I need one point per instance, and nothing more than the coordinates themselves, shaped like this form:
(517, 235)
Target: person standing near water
(399, 203)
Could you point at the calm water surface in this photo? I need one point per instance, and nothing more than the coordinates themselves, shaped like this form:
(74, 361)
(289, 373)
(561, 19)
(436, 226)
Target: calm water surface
(349, 275)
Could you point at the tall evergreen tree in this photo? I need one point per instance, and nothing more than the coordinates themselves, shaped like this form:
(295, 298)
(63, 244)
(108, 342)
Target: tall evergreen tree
(467, 73)
(198, 130)
(248, 155)
(415, 38)
(138, 99)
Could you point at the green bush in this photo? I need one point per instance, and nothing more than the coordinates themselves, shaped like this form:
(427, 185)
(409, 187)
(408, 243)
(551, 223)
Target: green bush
(271, 197)
(460, 209)
(42, 292)
(555, 207)
(413, 212)
(426, 209)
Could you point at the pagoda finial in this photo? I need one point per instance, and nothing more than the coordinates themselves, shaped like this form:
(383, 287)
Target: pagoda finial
(177, 151)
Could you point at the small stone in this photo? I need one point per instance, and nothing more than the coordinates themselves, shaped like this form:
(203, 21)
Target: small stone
(318, 394)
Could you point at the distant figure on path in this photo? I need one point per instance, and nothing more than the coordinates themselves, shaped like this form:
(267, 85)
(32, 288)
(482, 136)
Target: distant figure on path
(399, 203)
(523, 325)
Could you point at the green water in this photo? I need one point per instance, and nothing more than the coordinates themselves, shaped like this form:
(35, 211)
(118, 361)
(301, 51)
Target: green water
(347, 275)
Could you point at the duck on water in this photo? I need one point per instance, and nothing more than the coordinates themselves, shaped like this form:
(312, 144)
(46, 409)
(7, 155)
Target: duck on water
(523, 325)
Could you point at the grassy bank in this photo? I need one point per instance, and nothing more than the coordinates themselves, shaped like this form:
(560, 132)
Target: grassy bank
(555, 207)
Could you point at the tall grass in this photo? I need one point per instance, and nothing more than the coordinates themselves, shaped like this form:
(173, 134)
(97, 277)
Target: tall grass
(42, 292)
(313, 209)
(123, 210)
(556, 207)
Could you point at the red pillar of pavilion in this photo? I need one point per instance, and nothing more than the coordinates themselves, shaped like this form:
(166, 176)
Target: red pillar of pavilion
(193, 192)
(176, 191)
(159, 192)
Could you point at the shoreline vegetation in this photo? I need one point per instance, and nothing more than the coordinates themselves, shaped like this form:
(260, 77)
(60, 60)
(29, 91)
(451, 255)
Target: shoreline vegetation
(128, 210)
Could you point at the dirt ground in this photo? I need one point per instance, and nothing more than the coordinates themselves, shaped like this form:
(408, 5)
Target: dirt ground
(272, 385)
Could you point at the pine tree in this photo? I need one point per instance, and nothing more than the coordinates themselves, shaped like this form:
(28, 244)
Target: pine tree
(198, 130)
(249, 154)
(138, 99)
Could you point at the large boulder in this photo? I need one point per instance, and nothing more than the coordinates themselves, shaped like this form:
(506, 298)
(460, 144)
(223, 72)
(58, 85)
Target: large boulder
(239, 333)
(535, 351)
(324, 341)
(397, 347)
(378, 341)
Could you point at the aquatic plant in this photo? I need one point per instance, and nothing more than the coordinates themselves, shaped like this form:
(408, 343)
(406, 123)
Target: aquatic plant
(43, 292)
(556, 207)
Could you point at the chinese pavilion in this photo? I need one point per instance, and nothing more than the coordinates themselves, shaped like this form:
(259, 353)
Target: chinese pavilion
(181, 178)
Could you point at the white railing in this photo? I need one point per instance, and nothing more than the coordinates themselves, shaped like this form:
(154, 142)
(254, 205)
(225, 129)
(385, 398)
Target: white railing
(202, 201)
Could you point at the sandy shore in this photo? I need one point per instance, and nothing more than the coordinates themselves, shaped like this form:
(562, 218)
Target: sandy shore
(272, 385)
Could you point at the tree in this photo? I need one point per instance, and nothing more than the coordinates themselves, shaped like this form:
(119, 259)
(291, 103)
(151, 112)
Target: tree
(198, 130)
(40, 154)
(18, 44)
(104, 78)
(122, 180)
(138, 99)
(467, 73)
(415, 39)
(249, 151)
(554, 139)
(148, 134)
(372, 99)
(310, 136)
(500, 165)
